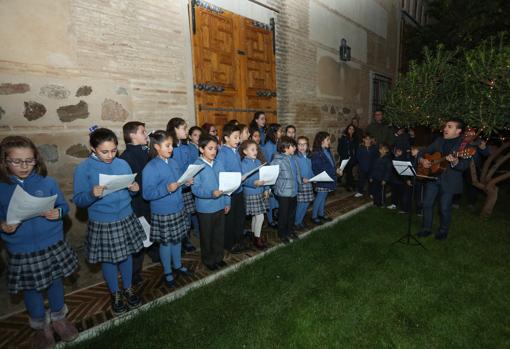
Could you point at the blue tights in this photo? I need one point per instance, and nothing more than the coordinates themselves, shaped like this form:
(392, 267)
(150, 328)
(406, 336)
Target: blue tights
(170, 254)
(319, 204)
(110, 274)
(34, 300)
(300, 212)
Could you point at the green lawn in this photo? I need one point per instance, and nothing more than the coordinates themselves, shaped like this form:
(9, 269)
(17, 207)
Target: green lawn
(347, 287)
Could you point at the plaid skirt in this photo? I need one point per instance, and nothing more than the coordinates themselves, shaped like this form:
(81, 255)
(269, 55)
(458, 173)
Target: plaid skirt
(169, 228)
(37, 270)
(189, 202)
(327, 190)
(255, 204)
(306, 195)
(114, 241)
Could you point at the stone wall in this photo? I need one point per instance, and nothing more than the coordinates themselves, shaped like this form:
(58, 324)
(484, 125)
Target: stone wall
(66, 65)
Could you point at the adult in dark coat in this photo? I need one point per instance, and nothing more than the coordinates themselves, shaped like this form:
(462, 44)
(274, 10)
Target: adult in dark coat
(448, 183)
(381, 132)
(347, 147)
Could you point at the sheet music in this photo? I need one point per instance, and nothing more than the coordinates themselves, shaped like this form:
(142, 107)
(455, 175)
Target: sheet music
(404, 168)
(147, 230)
(190, 173)
(115, 183)
(23, 206)
(229, 182)
(344, 163)
(249, 173)
(269, 174)
(321, 177)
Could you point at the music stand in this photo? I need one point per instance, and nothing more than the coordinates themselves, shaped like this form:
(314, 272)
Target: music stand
(406, 169)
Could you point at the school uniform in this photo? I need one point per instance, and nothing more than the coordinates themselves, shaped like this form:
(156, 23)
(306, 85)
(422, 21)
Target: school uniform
(211, 211)
(114, 232)
(269, 150)
(323, 160)
(366, 157)
(381, 171)
(234, 220)
(262, 132)
(305, 194)
(170, 222)
(182, 154)
(39, 256)
(253, 195)
(286, 189)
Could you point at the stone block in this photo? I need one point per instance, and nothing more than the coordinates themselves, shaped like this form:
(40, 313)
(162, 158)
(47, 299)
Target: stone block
(78, 151)
(70, 113)
(114, 111)
(54, 92)
(10, 89)
(49, 152)
(83, 91)
(33, 110)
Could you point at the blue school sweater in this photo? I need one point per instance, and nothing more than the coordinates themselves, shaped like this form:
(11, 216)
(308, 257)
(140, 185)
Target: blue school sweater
(305, 165)
(269, 149)
(262, 131)
(182, 155)
(366, 157)
(323, 161)
(194, 153)
(231, 161)
(157, 174)
(36, 233)
(110, 208)
(204, 183)
(249, 187)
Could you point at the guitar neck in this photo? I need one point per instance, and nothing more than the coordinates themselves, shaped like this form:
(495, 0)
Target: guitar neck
(437, 161)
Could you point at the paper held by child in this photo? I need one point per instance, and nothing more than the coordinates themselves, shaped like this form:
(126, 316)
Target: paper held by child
(229, 182)
(113, 183)
(269, 174)
(190, 173)
(24, 206)
(249, 173)
(344, 163)
(147, 230)
(321, 177)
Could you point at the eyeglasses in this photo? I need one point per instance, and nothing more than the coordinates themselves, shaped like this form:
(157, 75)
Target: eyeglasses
(19, 162)
(302, 144)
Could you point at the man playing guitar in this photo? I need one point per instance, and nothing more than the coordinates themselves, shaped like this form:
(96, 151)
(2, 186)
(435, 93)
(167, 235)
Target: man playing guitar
(449, 181)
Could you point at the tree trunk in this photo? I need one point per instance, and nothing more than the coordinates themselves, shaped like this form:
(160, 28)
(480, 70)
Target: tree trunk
(490, 201)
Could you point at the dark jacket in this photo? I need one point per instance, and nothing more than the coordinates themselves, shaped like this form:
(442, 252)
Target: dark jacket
(347, 148)
(366, 157)
(320, 162)
(451, 179)
(381, 171)
(137, 157)
(381, 132)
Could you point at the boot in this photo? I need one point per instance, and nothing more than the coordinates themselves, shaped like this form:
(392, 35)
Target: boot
(64, 328)
(257, 241)
(43, 338)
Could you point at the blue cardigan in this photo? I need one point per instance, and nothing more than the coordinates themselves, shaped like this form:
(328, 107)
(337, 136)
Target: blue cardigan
(305, 165)
(231, 161)
(249, 187)
(36, 233)
(157, 174)
(204, 183)
(269, 149)
(182, 155)
(110, 208)
(320, 163)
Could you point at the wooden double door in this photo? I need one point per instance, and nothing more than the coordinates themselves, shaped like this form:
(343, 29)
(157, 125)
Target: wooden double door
(234, 66)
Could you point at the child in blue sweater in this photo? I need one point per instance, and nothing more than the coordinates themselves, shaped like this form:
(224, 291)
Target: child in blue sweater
(274, 133)
(114, 233)
(230, 159)
(39, 257)
(170, 221)
(253, 189)
(194, 134)
(380, 174)
(305, 195)
(365, 156)
(287, 187)
(182, 154)
(322, 160)
(212, 205)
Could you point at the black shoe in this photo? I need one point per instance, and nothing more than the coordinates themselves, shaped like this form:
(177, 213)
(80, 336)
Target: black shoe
(183, 271)
(221, 264)
(132, 298)
(294, 236)
(317, 221)
(211, 267)
(285, 241)
(137, 279)
(118, 305)
(325, 218)
(169, 283)
(441, 235)
(299, 227)
(423, 233)
(237, 248)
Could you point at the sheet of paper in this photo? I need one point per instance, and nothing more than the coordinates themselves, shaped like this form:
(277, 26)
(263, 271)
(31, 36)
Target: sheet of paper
(321, 177)
(249, 173)
(269, 174)
(114, 183)
(229, 182)
(147, 229)
(404, 168)
(344, 163)
(190, 173)
(24, 206)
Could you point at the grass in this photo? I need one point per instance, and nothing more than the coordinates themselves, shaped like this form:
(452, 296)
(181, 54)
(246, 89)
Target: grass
(347, 287)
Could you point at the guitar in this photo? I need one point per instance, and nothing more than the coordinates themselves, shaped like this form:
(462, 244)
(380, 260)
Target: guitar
(439, 163)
